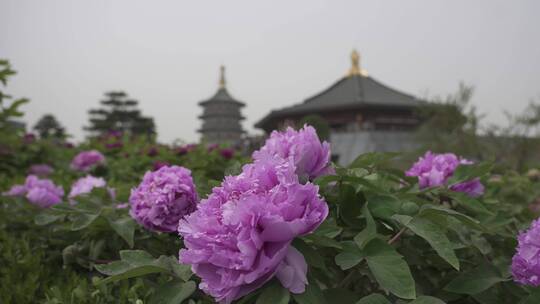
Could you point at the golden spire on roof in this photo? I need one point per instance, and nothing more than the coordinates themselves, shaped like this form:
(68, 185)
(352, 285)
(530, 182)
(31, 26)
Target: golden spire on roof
(355, 65)
(222, 77)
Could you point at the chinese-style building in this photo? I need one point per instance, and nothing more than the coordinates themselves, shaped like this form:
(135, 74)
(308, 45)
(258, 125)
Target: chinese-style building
(221, 118)
(363, 114)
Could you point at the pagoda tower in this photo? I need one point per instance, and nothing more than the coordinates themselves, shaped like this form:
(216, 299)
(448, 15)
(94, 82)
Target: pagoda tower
(363, 114)
(221, 118)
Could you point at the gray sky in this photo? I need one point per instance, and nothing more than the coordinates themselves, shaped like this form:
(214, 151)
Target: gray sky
(167, 54)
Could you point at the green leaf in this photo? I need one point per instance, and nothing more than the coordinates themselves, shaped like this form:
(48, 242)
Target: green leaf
(374, 298)
(274, 293)
(433, 234)
(389, 269)
(427, 210)
(113, 268)
(533, 298)
(322, 181)
(372, 159)
(370, 232)
(383, 206)
(136, 271)
(45, 218)
(340, 295)
(350, 206)
(125, 227)
(470, 203)
(82, 220)
(313, 258)
(322, 241)
(312, 295)
(136, 257)
(134, 263)
(475, 280)
(329, 228)
(427, 300)
(350, 256)
(173, 292)
(182, 271)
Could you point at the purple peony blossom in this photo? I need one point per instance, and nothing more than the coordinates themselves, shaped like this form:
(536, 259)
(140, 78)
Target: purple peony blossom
(240, 236)
(85, 185)
(212, 147)
(163, 198)
(526, 261)
(40, 170)
(86, 160)
(29, 138)
(122, 206)
(40, 192)
(114, 145)
(434, 170)
(185, 149)
(16, 190)
(310, 157)
(473, 188)
(153, 151)
(227, 153)
(158, 164)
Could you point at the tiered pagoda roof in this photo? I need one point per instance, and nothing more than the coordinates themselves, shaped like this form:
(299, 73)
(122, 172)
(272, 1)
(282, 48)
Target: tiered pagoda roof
(354, 91)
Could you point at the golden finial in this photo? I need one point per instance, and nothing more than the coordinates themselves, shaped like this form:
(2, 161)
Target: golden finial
(355, 65)
(222, 77)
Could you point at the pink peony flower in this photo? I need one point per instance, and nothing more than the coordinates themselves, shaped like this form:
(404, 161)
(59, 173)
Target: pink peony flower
(85, 185)
(163, 198)
(434, 170)
(40, 170)
(86, 160)
(240, 236)
(41, 192)
(526, 261)
(310, 157)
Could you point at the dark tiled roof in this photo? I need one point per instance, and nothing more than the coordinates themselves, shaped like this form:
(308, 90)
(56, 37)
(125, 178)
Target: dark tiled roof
(222, 95)
(349, 92)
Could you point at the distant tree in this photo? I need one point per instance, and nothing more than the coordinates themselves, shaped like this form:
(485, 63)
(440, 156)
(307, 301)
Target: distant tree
(451, 124)
(317, 122)
(518, 142)
(11, 128)
(48, 127)
(119, 113)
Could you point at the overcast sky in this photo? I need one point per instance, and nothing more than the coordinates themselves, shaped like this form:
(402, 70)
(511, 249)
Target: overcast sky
(167, 54)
